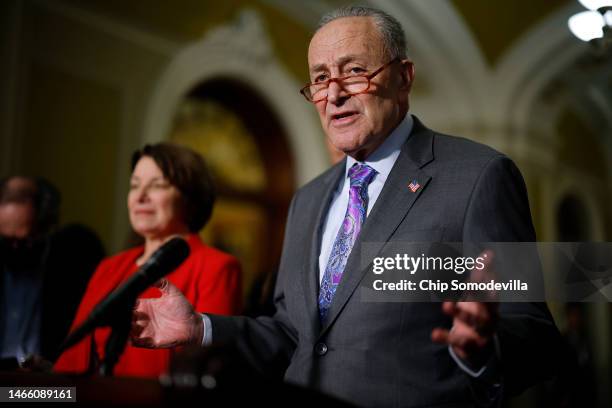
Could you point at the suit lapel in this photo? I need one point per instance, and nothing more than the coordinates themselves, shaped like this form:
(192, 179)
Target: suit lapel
(319, 213)
(393, 204)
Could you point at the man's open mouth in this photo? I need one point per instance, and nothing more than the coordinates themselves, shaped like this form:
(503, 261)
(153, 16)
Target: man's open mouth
(343, 115)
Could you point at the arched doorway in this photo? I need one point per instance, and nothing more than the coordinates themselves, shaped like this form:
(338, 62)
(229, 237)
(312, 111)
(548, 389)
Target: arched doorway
(248, 152)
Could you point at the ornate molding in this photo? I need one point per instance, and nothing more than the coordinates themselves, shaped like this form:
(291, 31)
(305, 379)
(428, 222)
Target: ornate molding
(240, 50)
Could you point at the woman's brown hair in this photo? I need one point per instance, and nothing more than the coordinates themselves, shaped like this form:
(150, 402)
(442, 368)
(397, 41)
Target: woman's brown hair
(187, 171)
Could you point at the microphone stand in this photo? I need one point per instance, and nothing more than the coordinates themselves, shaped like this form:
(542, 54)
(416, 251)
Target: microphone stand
(116, 342)
(116, 309)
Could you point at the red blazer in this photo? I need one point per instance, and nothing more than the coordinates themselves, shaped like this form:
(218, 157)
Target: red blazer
(209, 278)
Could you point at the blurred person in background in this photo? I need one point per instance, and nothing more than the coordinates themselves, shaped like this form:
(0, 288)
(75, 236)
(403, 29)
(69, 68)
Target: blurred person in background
(44, 271)
(171, 194)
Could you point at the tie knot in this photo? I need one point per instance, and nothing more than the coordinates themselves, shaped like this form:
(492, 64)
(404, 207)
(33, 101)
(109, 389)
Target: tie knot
(361, 174)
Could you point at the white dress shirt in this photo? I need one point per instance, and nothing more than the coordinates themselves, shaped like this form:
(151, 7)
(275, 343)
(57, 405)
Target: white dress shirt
(381, 160)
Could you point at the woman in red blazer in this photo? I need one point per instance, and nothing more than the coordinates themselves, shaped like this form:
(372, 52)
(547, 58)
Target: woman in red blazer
(171, 194)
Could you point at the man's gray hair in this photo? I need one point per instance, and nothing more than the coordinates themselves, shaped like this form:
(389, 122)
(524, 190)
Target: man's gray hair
(394, 39)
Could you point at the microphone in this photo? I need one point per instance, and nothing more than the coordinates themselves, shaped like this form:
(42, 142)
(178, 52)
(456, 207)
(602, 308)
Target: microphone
(163, 261)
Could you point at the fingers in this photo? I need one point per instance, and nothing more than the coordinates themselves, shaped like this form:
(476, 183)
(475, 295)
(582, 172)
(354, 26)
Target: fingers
(474, 314)
(482, 317)
(449, 308)
(141, 308)
(162, 322)
(439, 335)
(466, 337)
(140, 320)
(136, 330)
(464, 340)
(139, 315)
(167, 288)
(144, 342)
(161, 284)
(473, 322)
(473, 326)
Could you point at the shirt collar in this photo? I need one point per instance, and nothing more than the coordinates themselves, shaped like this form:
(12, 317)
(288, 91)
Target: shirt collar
(384, 157)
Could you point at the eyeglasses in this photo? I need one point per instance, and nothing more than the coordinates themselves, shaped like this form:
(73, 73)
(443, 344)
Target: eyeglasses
(352, 84)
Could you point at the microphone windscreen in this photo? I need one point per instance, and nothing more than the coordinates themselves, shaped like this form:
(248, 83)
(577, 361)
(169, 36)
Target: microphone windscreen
(166, 259)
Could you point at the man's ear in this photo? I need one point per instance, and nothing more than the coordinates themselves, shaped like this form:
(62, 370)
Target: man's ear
(407, 73)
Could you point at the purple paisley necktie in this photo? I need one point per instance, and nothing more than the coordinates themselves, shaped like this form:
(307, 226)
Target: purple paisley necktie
(360, 175)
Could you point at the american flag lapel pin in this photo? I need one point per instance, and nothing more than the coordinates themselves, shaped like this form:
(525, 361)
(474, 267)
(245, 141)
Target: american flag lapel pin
(414, 186)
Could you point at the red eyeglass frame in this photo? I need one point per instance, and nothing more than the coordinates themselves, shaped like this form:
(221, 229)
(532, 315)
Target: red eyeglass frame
(330, 80)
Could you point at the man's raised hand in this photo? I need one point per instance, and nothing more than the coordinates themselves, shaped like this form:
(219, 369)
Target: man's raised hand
(168, 321)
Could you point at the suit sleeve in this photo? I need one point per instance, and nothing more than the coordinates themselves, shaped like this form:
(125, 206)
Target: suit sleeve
(498, 211)
(266, 342)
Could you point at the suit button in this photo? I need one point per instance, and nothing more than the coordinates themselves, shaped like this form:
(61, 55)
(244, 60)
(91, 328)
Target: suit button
(321, 349)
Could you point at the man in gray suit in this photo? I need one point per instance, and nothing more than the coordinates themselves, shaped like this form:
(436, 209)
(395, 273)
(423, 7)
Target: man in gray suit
(400, 182)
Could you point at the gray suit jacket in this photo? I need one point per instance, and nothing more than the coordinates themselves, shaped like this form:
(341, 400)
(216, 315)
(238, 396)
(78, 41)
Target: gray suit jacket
(381, 354)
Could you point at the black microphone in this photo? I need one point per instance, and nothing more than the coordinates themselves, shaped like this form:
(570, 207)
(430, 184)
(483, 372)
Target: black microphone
(163, 261)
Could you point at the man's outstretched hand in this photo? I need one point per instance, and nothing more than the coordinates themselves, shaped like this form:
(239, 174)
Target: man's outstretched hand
(471, 334)
(167, 321)
(474, 323)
